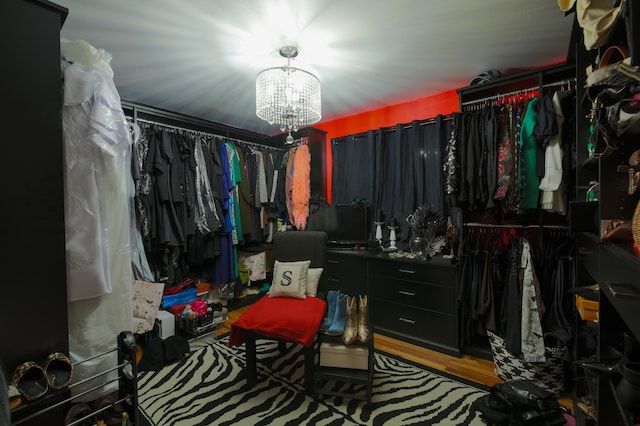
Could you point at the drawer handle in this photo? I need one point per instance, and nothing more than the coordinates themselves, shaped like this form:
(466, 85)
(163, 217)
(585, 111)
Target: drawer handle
(407, 271)
(333, 280)
(406, 293)
(335, 262)
(410, 321)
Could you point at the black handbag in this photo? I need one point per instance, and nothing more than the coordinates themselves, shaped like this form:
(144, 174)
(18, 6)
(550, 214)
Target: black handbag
(520, 402)
(615, 109)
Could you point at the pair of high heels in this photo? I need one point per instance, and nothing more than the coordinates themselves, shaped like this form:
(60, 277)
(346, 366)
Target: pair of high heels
(33, 381)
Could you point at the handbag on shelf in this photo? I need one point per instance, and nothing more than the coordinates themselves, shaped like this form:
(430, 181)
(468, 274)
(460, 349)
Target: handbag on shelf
(608, 65)
(615, 105)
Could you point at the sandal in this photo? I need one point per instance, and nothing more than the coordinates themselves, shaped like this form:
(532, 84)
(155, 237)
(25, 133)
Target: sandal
(14, 397)
(78, 411)
(30, 379)
(59, 370)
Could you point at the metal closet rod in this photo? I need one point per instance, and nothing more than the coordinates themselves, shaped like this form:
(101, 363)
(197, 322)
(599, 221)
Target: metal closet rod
(213, 135)
(201, 124)
(514, 226)
(567, 81)
(393, 128)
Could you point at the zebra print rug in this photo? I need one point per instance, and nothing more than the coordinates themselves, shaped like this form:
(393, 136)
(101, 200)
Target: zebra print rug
(209, 388)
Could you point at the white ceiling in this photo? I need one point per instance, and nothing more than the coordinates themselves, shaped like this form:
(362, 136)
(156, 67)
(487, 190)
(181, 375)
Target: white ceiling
(201, 57)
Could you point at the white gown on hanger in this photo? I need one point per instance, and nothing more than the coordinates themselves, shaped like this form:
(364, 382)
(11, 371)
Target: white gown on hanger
(98, 189)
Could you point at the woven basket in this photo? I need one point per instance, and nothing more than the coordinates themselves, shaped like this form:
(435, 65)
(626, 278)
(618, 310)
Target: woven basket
(635, 224)
(549, 375)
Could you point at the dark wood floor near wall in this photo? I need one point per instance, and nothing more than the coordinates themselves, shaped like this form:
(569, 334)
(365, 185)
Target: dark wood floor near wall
(468, 367)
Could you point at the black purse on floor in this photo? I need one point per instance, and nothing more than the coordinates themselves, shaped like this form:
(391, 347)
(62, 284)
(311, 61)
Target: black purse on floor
(520, 402)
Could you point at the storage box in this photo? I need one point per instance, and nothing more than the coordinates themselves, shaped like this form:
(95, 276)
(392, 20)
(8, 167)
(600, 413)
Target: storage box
(344, 356)
(588, 309)
(166, 324)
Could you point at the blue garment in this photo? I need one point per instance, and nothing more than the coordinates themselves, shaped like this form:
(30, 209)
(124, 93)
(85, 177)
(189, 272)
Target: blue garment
(225, 265)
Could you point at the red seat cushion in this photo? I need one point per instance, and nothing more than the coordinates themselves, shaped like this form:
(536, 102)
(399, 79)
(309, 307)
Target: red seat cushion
(294, 320)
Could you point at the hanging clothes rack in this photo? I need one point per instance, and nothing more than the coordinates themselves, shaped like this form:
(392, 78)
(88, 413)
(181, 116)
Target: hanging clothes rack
(207, 134)
(424, 122)
(249, 144)
(515, 93)
(168, 126)
(297, 142)
(513, 226)
(187, 122)
(569, 82)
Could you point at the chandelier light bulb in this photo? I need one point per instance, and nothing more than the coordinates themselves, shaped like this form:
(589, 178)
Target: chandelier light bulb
(288, 96)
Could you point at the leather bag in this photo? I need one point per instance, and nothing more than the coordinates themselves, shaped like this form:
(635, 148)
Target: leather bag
(520, 402)
(609, 64)
(615, 109)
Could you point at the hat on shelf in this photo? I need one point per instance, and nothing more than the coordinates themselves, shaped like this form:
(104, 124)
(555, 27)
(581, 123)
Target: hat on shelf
(485, 77)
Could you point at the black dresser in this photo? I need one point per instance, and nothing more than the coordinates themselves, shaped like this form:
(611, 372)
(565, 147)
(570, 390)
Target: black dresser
(412, 301)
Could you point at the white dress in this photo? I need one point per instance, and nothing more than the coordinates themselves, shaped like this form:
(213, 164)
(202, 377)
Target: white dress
(98, 191)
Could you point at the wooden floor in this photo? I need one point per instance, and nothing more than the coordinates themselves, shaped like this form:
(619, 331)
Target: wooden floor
(471, 368)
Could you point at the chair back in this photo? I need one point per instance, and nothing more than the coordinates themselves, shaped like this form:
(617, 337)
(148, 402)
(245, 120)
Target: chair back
(292, 246)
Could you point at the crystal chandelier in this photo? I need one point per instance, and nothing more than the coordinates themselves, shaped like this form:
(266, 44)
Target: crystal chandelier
(288, 96)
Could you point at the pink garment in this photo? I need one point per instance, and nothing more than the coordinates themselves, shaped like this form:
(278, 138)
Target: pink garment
(301, 187)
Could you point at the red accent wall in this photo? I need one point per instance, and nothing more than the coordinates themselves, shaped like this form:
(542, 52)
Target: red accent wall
(419, 109)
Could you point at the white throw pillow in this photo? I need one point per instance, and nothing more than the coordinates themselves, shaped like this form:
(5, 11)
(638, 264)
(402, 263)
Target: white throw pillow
(313, 279)
(290, 279)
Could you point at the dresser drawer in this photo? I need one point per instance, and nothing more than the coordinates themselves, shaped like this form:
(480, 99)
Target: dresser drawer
(436, 329)
(345, 273)
(436, 298)
(422, 272)
(345, 264)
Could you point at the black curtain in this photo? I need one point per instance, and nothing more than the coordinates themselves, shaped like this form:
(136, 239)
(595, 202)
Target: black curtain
(353, 169)
(396, 169)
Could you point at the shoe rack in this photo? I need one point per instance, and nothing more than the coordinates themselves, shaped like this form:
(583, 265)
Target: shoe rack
(46, 409)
